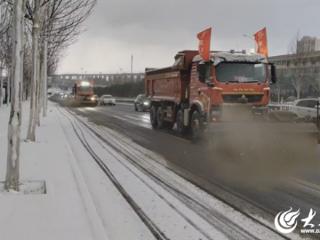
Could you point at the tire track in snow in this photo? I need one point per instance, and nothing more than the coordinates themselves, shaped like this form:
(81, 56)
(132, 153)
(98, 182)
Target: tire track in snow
(203, 211)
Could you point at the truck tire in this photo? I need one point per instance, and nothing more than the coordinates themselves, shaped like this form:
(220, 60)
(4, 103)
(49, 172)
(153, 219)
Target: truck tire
(196, 125)
(179, 120)
(160, 118)
(153, 117)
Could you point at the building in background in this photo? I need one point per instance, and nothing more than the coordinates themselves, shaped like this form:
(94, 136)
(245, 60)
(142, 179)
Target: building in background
(119, 85)
(299, 73)
(101, 80)
(308, 45)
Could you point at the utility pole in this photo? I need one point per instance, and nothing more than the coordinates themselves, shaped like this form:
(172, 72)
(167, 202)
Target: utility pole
(131, 63)
(13, 155)
(131, 75)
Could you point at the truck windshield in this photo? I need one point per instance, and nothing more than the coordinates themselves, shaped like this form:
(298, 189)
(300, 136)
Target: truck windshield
(241, 72)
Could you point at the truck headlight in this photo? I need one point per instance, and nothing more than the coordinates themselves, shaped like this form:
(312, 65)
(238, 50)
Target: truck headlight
(146, 103)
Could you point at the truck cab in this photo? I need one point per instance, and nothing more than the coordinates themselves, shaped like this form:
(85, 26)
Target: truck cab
(230, 80)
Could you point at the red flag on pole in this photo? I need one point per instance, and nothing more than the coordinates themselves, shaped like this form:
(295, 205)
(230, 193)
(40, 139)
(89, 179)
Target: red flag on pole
(262, 42)
(204, 44)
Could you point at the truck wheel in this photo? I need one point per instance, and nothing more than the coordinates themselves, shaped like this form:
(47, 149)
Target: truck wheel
(153, 117)
(179, 120)
(160, 118)
(196, 125)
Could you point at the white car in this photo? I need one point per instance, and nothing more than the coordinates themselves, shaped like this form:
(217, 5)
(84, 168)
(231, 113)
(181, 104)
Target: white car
(107, 100)
(305, 108)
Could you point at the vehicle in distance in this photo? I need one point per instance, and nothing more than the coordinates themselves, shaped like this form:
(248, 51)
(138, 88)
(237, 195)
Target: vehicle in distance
(305, 108)
(142, 103)
(84, 94)
(107, 100)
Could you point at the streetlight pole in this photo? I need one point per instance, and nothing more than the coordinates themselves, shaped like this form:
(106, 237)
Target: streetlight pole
(131, 64)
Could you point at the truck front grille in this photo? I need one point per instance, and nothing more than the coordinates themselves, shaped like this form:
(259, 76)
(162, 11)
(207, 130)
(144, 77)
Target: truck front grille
(242, 98)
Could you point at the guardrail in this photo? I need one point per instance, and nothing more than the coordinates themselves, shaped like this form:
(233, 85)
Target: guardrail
(280, 106)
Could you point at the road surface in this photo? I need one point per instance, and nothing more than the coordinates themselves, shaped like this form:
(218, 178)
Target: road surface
(262, 189)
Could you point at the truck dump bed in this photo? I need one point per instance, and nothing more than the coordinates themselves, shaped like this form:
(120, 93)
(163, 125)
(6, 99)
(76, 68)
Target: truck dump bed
(171, 83)
(165, 84)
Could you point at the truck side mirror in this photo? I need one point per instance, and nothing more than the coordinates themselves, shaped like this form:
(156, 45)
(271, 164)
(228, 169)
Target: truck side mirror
(204, 72)
(273, 74)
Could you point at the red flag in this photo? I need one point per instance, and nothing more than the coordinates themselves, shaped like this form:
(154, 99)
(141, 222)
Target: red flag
(204, 44)
(262, 43)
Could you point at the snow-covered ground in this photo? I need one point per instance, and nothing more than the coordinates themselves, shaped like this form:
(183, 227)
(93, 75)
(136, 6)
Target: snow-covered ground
(66, 211)
(101, 185)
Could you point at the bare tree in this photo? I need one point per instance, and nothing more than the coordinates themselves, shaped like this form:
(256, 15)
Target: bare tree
(5, 20)
(298, 77)
(5, 43)
(31, 135)
(44, 76)
(12, 175)
(296, 82)
(1, 82)
(58, 27)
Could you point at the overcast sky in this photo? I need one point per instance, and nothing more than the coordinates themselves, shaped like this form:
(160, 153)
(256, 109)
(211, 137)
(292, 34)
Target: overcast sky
(154, 30)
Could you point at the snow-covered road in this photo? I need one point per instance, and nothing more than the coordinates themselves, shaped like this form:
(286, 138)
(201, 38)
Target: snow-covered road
(102, 185)
(169, 206)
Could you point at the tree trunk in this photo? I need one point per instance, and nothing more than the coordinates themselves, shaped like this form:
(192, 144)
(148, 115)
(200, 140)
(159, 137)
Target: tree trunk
(9, 87)
(39, 88)
(12, 175)
(45, 78)
(298, 90)
(31, 136)
(1, 86)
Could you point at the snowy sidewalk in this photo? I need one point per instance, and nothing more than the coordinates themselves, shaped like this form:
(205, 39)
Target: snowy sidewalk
(66, 211)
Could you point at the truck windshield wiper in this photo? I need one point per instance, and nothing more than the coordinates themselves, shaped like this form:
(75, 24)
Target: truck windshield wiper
(232, 81)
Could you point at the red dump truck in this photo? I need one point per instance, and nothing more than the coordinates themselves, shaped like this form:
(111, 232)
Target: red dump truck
(84, 93)
(231, 87)
(193, 93)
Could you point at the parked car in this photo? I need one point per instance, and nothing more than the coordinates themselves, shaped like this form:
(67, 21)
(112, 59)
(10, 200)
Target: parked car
(107, 100)
(142, 103)
(305, 108)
